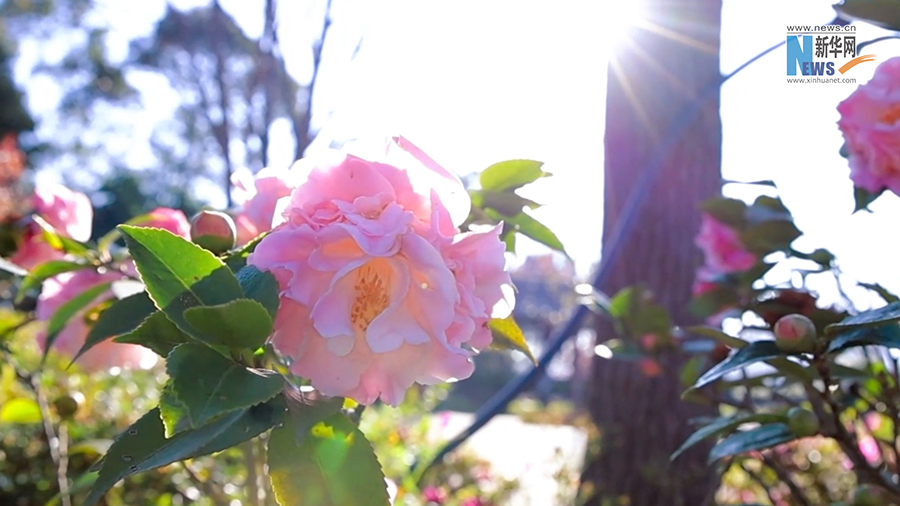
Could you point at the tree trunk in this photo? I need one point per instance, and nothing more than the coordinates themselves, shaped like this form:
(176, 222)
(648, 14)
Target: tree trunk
(668, 63)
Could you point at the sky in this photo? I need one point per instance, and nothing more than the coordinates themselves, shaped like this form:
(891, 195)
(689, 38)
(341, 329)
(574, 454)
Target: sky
(473, 82)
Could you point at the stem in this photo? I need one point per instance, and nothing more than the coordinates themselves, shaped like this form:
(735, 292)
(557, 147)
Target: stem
(59, 445)
(759, 480)
(254, 498)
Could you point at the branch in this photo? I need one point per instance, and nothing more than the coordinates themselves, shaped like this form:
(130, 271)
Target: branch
(796, 491)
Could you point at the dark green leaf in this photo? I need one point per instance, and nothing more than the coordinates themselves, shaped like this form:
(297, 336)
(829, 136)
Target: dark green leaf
(773, 204)
(179, 274)
(723, 425)
(759, 438)
(718, 335)
(239, 324)
(530, 227)
(844, 152)
(6, 265)
(317, 471)
(123, 316)
(886, 335)
(511, 174)
(728, 211)
(48, 269)
(863, 198)
(237, 260)
(207, 384)
(68, 310)
(506, 203)
(156, 333)
(757, 351)
(874, 318)
(881, 13)
(508, 336)
(254, 421)
(882, 291)
(769, 236)
(714, 301)
(261, 287)
(144, 446)
(305, 412)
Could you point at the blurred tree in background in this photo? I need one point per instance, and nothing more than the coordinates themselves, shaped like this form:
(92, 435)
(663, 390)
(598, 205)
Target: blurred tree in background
(230, 89)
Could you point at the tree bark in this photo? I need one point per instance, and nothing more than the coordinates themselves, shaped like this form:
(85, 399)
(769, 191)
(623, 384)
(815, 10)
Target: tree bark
(669, 61)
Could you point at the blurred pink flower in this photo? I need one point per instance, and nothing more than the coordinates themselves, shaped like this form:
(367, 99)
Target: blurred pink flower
(62, 288)
(434, 495)
(169, 219)
(870, 122)
(869, 449)
(722, 248)
(257, 198)
(69, 213)
(379, 290)
(473, 501)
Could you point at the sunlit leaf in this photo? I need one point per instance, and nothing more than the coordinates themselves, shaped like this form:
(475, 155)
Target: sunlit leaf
(511, 174)
(334, 465)
(241, 323)
(20, 410)
(508, 336)
(873, 318)
(157, 333)
(121, 317)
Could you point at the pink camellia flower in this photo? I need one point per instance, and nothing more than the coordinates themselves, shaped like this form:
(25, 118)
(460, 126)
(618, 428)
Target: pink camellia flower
(257, 198)
(69, 213)
(870, 122)
(169, 219)
(62, 288)
(434, 495)
(379, 290)
(722, 247)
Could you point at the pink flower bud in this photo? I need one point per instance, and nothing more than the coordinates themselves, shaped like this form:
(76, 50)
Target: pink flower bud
(795, 333)
(213, 230)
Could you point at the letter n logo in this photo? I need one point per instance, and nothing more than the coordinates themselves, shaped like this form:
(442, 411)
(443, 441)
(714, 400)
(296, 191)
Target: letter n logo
(797, 54)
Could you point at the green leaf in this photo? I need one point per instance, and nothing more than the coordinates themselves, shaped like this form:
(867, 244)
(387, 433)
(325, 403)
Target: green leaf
(239, 324)
(714, 301)
(209, 385)
(759, 438)
(12, 268)
(43, 271)
(769, 236)
(261, 287)
(881, 13)
(61, 317)
(105, 242)
(874, 318)
(318, 470)
(723, 425)
(144, 446)
(530, 227)
(179, 274)
(887, 335)
(726, 210)
(757, 351)
(157, 333)
(237, 260)
(172, 411)
(885, 294)
(306, 413)
(506, 203)
(508, 336)
(20, 410)
(123, 316)
(863, 198)
(718, 335)
(511, 174)
(60, 242)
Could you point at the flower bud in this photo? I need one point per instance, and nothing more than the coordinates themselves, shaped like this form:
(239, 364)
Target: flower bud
(214, 231)
(795, 333)
(802, 422)
(66, 406)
